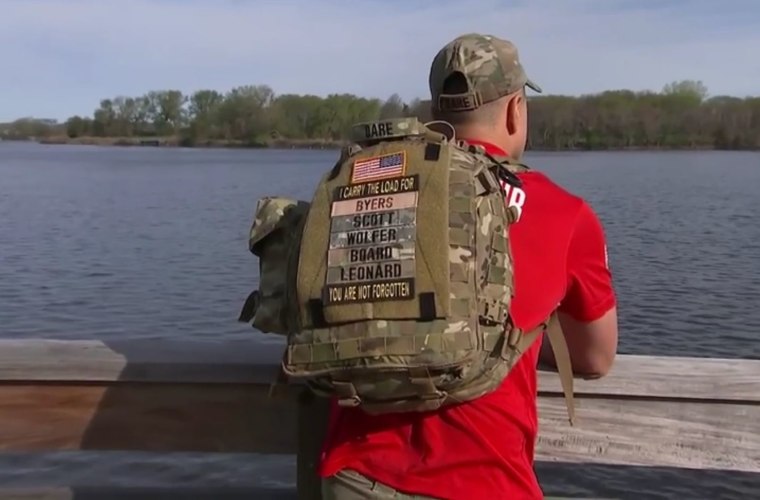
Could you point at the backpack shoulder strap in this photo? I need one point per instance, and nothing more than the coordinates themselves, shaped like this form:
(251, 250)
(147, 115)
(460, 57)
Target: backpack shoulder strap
(553, 330)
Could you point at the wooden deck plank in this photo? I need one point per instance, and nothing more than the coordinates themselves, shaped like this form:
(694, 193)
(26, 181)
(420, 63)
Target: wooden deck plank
(651, 433)
(138, 361)
(242, 418)
(155, 417)
(670, 377)
(250, 362)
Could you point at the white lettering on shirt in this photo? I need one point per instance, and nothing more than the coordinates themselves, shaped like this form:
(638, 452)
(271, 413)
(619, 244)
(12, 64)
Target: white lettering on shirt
(515, 197)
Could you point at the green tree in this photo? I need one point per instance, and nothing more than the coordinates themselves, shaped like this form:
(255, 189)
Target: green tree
(203, 113)
(393, 107)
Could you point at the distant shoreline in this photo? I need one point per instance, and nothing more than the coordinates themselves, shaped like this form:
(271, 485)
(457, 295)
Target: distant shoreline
(681, 117)
(176, 142)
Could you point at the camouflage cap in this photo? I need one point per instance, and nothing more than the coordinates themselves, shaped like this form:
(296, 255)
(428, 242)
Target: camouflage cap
(490, 65)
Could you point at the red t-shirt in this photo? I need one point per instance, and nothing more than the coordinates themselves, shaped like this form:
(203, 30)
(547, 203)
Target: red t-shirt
(484, 449)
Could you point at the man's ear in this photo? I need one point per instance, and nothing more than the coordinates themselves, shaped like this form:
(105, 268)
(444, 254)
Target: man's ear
(516, 106)
(513, 114)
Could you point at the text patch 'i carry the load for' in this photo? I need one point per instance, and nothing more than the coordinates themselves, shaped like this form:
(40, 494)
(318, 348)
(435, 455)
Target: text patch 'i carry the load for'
(373, 232)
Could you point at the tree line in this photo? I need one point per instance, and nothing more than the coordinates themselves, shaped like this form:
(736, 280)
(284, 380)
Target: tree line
(681, 115)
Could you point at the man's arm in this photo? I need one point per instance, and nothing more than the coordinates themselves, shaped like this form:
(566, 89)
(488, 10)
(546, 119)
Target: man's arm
(592, 344)
(588, 313)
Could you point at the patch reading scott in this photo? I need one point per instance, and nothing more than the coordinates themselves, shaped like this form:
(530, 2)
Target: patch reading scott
(402, 217)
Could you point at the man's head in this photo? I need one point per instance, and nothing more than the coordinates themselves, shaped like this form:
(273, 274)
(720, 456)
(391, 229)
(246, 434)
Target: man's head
(478, 85)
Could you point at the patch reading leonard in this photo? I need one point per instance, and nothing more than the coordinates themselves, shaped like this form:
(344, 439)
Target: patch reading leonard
(378, 167)
(371, 254)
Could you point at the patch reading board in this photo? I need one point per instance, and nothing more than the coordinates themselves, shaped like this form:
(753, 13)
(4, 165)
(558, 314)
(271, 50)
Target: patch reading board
(375, 253)
(373, 232)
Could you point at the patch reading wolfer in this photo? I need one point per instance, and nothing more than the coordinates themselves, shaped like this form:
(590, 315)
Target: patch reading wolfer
(378, 167)
(377, 291)
(374, 188)
(380, 236)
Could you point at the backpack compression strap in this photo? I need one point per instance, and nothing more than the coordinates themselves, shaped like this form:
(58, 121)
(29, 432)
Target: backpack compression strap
(517, 342)
(562, 358)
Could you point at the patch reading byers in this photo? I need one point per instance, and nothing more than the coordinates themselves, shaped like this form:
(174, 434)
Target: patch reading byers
(373, 228)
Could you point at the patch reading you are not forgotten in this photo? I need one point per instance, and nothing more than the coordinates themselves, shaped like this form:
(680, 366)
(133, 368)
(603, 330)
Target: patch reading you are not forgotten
(373, 230)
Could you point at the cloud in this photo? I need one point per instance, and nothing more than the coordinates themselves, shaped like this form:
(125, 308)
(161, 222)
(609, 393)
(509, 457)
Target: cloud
(60, 57)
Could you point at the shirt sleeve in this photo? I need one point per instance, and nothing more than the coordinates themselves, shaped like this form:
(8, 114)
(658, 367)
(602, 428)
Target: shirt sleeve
(590, 293)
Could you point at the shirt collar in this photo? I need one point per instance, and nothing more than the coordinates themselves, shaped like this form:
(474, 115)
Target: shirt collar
(490, 148)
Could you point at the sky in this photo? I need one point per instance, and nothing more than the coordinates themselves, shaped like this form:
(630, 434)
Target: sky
(59, 58)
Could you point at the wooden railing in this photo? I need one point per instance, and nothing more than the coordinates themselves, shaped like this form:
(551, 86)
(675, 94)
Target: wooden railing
(686, 413)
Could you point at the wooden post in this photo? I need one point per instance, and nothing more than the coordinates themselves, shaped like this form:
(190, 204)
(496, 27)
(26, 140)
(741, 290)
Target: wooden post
(313, 412)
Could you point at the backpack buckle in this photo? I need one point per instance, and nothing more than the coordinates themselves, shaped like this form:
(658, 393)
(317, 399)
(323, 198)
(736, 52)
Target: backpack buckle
(513, 337)
(346, 392)
(351, 402)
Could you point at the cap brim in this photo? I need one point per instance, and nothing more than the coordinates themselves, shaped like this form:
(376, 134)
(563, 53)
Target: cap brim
(533, 86)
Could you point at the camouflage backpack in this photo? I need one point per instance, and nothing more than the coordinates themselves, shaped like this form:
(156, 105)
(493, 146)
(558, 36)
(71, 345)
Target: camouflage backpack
(394, 284)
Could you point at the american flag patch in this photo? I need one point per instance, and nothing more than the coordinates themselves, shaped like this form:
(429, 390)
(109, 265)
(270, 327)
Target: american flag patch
(379, 167)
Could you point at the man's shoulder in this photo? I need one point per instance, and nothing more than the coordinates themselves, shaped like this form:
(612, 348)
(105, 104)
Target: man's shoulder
(538, 184)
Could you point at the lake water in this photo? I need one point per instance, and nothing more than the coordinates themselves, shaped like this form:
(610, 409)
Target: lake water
(149, 243)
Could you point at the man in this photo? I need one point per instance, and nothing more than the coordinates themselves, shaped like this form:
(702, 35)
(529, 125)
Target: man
(484, 449)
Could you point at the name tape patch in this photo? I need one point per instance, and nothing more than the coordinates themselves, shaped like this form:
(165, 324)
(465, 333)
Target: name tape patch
(377, 237)
(375, 253)
(373, 232)
(374, 204)
(402, 217)
(377, 271)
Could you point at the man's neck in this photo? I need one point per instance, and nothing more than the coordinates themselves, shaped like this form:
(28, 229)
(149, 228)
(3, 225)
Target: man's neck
(490, 147)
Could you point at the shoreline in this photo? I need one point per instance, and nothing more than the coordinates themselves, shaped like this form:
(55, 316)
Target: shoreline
(178, 142)
(322, 144)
